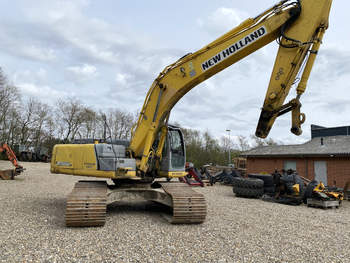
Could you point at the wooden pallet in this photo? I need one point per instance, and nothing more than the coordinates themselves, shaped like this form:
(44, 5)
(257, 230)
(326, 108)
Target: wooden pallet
(323, 203)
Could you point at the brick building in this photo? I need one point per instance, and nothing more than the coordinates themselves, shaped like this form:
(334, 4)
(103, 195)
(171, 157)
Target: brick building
(326, 157)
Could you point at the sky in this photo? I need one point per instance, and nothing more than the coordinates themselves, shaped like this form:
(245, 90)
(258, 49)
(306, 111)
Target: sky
(107, 54)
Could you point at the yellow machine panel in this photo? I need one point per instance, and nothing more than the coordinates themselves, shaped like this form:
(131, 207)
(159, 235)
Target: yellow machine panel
(80, 159)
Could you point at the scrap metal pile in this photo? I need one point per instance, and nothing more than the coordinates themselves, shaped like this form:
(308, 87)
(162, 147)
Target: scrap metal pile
(221, 174)
(286, 187)
(209, 174)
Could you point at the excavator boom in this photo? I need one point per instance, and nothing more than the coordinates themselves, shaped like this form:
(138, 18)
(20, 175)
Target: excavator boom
(297, 25)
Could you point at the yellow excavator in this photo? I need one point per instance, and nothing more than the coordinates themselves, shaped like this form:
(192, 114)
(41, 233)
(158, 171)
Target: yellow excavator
(157, 149)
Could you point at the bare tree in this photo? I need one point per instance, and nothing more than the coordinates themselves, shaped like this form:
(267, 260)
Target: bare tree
(243, 143)
(119, 123)
(70, 117)
(25, 121)
(42, 123)
(263, 142)
(9, 100)
(3, 79)
(9, 133)
(90, 125)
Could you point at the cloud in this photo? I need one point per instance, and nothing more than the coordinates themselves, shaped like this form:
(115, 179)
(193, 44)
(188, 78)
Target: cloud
(39, 75)
(53, 47)
(48, 30)
(46, 94)
(82, 73)
(17, 44)
(222, 20)
(79, 47)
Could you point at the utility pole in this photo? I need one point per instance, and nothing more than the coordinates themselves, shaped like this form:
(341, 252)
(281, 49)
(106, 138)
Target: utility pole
(229, 146)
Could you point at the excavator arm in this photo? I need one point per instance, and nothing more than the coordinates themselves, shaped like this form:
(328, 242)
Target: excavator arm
(298, 26)
(299, 45)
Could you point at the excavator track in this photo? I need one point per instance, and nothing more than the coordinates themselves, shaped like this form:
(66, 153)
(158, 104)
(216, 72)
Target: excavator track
(86, 204)
(189, 207)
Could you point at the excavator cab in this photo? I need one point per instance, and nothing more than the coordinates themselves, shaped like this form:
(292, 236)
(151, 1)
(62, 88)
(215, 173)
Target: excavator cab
(174, 154)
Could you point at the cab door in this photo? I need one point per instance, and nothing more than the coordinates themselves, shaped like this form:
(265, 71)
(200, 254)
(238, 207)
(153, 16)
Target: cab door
(174, 155)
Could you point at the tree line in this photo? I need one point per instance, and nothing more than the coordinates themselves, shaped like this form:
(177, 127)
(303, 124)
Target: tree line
(203, 148)
(34, 124)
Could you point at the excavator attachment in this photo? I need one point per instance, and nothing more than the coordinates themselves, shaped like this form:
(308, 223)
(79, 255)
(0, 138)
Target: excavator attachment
(7, 174)
(11, 173)
(300, 39)
(87, 203)
(11, 156)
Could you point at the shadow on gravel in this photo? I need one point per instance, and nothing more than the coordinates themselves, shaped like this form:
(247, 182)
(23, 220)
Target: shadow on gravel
(229, 195)
(48, 210)
(149, 208)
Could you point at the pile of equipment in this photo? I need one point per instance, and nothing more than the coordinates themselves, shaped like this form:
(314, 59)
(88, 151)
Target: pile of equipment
(287, 187)
(318, 195)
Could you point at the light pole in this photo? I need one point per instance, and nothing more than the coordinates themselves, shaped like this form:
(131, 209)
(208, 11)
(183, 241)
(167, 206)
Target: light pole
(229, 147)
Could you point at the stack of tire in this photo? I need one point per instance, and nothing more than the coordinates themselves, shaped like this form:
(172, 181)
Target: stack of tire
(269, 183)
(309, 190)
(248, 187)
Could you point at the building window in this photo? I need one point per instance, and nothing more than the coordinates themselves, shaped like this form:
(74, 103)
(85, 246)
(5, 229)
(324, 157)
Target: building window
(290, 165)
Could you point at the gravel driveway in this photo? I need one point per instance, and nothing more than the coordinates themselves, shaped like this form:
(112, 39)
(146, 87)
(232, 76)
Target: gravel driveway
(236, 230)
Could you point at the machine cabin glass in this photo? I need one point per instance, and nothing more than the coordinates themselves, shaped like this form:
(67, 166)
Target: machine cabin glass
(177, 149)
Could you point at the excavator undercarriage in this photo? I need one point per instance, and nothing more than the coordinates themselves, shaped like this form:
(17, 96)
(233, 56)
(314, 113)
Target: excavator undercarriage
(87, 203)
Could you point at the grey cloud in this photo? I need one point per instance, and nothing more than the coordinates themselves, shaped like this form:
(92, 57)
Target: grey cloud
(63, 36)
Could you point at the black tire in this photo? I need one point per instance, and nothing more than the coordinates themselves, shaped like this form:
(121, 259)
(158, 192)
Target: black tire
(207, 175)
(289, 200)
(250, 183)
(219, 177)
(236, 182)
(270, 190)
(267, 178)
(248, 192)
(235, 173)
(228, 179)
(287, 178)
(309, 189)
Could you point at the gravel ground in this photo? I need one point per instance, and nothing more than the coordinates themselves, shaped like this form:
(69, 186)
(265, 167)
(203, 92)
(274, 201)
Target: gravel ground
(236, 230)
